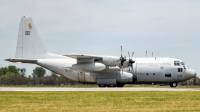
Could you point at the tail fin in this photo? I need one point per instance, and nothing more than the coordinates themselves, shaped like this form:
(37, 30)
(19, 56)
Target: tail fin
(29, 45)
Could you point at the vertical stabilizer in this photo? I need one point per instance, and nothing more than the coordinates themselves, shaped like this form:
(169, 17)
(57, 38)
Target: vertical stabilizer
(29, 44)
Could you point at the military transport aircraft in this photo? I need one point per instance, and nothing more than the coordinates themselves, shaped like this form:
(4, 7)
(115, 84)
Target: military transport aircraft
(110, 71)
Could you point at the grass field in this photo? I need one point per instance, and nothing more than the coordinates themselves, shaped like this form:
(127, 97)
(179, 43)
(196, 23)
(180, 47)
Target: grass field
(100, 101)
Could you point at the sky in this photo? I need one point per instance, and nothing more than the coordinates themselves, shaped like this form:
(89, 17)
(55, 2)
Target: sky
(168, 28)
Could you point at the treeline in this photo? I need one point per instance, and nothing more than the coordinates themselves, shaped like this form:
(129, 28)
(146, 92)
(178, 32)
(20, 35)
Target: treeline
(12, 76)
(194, 81)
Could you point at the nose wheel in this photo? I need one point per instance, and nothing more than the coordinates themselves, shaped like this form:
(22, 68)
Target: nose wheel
(174, 84)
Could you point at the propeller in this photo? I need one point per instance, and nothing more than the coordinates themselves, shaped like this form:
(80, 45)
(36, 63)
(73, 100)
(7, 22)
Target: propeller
(122, 60)
(130, 62)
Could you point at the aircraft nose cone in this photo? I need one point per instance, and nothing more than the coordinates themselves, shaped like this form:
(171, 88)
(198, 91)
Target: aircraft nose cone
(189, 73)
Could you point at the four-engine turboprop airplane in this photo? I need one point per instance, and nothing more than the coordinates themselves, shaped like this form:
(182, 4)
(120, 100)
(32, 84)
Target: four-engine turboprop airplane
(102, 70)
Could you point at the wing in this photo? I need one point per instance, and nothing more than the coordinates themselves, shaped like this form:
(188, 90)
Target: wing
(86, 63)
(83, 56)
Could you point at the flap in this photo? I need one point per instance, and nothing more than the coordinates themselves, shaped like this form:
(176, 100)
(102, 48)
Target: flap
(82, 56)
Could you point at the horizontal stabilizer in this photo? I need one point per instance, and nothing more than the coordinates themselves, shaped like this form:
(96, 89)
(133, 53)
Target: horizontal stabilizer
(21, 60)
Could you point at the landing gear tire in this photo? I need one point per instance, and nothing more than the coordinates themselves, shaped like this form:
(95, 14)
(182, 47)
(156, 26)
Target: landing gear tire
(110, 85)
(120, 85)
(102, 85)
(174, 84)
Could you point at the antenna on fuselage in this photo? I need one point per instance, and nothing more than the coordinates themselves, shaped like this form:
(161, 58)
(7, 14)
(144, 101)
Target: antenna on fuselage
(146, 53)
(152, 54)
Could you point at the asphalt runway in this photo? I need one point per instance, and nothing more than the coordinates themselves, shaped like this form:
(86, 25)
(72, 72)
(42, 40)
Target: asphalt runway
(94, 89)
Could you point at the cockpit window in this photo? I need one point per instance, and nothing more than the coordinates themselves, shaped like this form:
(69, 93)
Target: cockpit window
(177, 63)
(182, 63)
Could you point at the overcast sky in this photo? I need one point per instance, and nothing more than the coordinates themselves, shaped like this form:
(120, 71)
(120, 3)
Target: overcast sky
(169, 28)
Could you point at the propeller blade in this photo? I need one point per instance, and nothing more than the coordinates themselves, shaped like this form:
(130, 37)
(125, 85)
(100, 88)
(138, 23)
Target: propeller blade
(132, 54)
(130, 61)
(122, 69)
(122, 60)
(128, 55)
(132, 68)
(121, 51)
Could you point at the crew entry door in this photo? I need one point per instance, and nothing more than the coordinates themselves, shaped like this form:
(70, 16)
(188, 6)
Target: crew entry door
(180, 73)
(180, 70)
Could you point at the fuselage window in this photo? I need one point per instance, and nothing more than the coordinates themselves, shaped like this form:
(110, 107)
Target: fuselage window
(167, 75)
(153, 73)
(180, 70)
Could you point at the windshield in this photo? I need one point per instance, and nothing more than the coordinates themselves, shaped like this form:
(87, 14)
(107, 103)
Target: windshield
(176, 63)
(182, 63)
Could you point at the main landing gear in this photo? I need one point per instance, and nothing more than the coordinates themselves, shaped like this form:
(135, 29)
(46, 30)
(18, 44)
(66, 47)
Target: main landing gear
(174, 84)
(118, 85)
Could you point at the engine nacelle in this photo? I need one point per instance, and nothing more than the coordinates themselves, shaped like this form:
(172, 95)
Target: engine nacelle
(113, 61)
(87, 67)
(125, 77)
